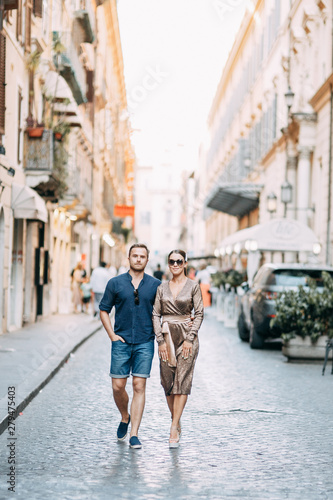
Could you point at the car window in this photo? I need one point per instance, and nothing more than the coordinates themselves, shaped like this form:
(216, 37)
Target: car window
(262, 276)
(295, 277)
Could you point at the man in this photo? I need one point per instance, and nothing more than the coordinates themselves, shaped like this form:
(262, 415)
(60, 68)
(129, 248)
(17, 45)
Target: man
(158, 273)
(98, 280)
(133, 295)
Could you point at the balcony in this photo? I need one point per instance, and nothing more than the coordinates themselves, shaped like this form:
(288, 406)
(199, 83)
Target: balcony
(44, 171)
(86, 19)
(70, 66)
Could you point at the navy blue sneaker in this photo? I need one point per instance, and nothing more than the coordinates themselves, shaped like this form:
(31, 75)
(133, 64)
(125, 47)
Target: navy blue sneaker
(122, 429)
(134, 442)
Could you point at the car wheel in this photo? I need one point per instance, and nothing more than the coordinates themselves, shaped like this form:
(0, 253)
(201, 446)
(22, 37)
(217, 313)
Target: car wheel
(256, 341)
(243, 331)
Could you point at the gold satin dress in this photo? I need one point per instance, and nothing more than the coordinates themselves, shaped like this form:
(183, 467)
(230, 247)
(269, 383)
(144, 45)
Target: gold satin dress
(172, 316)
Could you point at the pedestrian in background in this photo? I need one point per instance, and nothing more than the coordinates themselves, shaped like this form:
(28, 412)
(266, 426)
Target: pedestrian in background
(77, 279)
(112, 271)
(86, 294)
(177, 337)
(203, 277)
(99, 279)
(132, 294)
(158, 273)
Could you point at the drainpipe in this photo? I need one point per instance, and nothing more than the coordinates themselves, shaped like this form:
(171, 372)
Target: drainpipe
(329, 203)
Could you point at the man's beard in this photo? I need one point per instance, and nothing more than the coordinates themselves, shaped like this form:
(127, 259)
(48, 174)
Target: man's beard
(137, 267)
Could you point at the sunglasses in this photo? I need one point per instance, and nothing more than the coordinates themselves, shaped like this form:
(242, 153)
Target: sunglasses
(179, 262)
(136, 298)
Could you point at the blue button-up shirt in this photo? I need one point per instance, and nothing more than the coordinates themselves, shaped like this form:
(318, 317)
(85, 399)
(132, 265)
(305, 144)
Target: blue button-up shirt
(133, 322)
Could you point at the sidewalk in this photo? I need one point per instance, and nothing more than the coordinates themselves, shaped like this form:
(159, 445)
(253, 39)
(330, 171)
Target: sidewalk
(31, 356)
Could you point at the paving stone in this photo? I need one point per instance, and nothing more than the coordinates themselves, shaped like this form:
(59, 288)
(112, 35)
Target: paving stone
(254, 427)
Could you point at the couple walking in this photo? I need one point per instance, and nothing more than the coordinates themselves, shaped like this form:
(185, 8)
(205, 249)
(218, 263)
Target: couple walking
(145, 309)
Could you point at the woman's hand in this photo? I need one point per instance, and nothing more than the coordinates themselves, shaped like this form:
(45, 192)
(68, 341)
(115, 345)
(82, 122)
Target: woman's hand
(187, 349)
(163, 352)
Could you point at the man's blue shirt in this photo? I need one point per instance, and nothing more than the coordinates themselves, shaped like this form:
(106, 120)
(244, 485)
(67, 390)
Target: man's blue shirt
(133, 322)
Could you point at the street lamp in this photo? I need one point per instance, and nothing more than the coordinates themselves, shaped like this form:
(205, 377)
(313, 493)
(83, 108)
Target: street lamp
(289, 96)
(271, 202)
(10, 170)
(286, 195)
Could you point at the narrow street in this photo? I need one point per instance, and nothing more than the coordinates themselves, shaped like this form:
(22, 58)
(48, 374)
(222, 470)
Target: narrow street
(255, 427)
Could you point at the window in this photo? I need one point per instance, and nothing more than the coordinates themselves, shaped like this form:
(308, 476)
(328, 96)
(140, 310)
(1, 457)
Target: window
(19, 125)
(27, 25)
(145, 218)
(2, 83)
(38, 8)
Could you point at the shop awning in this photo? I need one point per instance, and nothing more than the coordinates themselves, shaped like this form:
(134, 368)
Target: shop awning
(27, 204)
(233, 198)
(277, 235)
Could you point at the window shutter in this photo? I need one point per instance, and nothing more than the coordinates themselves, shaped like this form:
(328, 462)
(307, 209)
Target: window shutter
(90, 86)
(38, 8)
(11, 4)
(2, 83)
(19, 21)
(2, 6)
(27, 39)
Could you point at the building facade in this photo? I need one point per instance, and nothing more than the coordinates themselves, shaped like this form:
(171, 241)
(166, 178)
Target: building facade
(65, 152)
(270, 127)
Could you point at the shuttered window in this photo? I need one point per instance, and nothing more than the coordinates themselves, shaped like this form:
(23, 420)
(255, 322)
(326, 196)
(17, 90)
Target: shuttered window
(38, 8)
(19, 129)
(19, 21)
(11, 4)
(90, 86)
(2, 6)
(28, 10)
(2, 82)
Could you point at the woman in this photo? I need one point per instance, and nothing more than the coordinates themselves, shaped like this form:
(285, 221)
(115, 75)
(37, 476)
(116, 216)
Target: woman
(77, 279)
(177, 336)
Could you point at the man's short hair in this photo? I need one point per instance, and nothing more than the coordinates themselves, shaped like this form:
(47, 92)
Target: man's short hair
(103, 264)
(138, 245)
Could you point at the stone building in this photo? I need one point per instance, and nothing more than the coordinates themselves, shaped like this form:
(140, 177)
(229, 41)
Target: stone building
(65, 143)
(270, 126)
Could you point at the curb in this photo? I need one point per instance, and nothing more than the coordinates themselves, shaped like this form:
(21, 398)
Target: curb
(21, 406)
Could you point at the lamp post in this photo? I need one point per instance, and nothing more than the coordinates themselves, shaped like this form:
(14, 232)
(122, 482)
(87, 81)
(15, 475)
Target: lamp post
(289, 97)
(286, 188)
(286, 195)
(271, 201)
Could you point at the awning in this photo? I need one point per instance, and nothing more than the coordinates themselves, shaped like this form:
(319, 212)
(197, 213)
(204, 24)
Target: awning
(27, 204)
(233, 198)
(57, 88)
(280, 235)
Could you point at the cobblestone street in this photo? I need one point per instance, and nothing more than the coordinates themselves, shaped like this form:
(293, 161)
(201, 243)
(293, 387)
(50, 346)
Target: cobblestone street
(255, 427)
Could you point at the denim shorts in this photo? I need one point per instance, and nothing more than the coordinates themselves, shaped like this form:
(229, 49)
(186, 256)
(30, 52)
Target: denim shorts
(131, 358)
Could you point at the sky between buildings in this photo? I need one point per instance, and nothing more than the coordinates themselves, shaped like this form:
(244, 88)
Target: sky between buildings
(174, 52)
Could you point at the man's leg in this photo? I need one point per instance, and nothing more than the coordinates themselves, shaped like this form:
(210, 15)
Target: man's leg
(142, 358)
(138, 403)
(120, 397)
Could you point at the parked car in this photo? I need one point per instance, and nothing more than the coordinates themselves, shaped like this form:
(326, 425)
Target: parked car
(257, 306)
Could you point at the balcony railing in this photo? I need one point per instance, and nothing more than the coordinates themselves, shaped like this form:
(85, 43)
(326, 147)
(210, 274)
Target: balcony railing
(38, 152)
(86, 18)
(70, 66)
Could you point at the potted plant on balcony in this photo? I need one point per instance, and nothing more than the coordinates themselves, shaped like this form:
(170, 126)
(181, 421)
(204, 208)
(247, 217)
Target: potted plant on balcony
(61, 129)
(305, 318)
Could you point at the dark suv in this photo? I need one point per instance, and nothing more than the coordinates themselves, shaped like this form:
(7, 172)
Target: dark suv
(258, 303)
